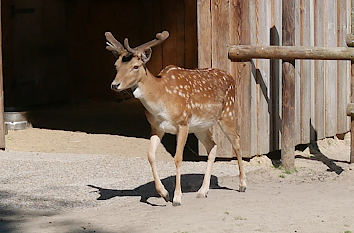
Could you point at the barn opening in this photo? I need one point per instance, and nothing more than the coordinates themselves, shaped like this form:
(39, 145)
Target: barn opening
(57, 69)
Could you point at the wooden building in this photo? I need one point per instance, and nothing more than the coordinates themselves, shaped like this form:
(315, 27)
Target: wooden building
(53, 51)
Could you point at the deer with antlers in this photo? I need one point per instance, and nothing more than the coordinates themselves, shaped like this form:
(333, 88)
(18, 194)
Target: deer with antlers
(178, 101)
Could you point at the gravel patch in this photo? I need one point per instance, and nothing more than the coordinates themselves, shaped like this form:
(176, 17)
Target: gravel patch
(59, 182)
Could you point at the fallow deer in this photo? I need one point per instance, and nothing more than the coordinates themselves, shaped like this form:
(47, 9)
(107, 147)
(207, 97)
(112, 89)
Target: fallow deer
(178, 101)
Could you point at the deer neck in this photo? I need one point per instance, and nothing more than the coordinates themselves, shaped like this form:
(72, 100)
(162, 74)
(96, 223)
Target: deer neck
(146, 88)
(148, 92)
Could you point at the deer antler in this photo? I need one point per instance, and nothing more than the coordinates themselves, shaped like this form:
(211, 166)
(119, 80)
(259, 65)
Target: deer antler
(160, 37)
(113, 45)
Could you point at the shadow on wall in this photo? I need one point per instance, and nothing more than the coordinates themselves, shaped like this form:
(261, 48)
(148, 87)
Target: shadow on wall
(124, 118)
(189, 183)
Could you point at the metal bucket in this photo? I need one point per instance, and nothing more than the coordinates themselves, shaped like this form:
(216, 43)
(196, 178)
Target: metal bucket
(16, 120)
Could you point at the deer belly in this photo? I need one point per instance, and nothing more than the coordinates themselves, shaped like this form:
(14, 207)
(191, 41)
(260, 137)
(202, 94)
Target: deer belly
(168, 127)
(197, 124)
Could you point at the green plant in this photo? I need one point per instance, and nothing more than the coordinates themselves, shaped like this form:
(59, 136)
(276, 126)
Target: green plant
(240, 218)
(286, 171)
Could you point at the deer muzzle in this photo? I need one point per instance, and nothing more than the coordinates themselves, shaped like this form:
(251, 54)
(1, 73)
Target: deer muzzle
(115, 86)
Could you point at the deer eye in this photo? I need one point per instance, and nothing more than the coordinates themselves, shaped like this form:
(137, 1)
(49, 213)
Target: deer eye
(136, 67)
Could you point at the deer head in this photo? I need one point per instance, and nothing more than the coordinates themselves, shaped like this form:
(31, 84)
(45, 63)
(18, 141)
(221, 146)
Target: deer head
(131, 62)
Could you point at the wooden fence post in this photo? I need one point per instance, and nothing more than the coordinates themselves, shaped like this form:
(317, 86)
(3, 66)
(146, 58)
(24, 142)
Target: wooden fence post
(352, 89)
(350, 43)
(352, 117)
(2, 124)
(288, 86)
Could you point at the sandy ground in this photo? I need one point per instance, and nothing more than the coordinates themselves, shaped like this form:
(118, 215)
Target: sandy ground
(59, 141)
(79, 182)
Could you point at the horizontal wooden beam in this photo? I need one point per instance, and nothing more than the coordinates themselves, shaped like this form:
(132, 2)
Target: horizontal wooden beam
(247, 52)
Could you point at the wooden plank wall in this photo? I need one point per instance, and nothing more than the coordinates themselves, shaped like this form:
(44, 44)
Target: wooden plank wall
(321, 87)
(319, 102)
(343, 67)
(276, 80)
(306, 35)
(331, 70)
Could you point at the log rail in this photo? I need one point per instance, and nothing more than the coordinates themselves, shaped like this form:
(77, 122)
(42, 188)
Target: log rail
(248, 52)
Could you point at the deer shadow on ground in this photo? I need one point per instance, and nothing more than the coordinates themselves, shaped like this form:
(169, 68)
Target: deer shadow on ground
(189, 183)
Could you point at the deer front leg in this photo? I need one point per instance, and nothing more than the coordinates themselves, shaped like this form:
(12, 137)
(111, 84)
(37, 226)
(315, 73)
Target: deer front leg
(154, 142)
(181, 141)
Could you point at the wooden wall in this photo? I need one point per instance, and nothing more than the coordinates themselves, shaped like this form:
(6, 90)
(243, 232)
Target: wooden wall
(54, 50)
(321, 87)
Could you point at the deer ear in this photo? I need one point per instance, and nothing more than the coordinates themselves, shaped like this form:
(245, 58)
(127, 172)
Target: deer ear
(146, 55)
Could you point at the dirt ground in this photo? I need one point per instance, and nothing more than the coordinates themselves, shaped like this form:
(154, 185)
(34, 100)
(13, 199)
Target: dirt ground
(66, 181)
(59, 141)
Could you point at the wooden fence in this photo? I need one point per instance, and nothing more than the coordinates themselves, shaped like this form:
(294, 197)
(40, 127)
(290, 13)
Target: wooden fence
(322, 88)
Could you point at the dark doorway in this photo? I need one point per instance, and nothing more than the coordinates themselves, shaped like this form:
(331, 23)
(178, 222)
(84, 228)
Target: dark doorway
(56, 66)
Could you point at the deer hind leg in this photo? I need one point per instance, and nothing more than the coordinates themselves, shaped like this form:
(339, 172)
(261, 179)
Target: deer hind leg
(234, 139)
(206, 139)
(236, 148)
(181, 141)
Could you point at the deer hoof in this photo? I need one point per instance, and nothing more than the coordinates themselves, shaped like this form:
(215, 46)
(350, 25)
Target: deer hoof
(242, 189)
(167, 197)
(202, 194)
(175, 203)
